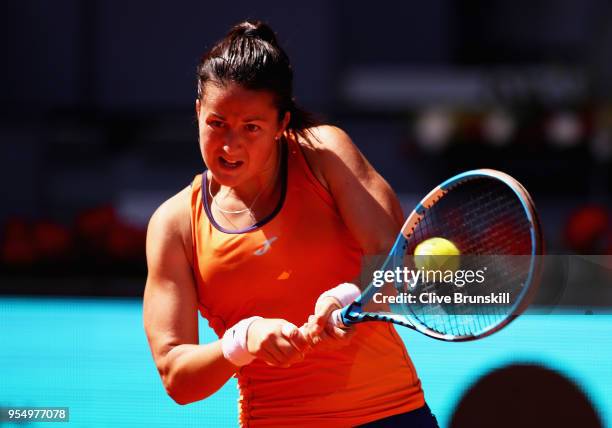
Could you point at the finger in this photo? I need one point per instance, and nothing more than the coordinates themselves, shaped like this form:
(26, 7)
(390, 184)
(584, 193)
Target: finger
(327, 301)
(325, 306)
(330, 332)
(336, 319)
(321, 317)
(275, 354)
(285, 350)
(288, 330)
(322, 337)
(286, 354)
(308, 332)
(295, 336)
(320, 320)
(316, 323)
(339, 333)
(334, 328)
(312, 330)
(269, 358)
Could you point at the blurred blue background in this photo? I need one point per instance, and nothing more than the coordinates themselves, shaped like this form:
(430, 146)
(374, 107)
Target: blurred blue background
(92, 356)
(97, 128)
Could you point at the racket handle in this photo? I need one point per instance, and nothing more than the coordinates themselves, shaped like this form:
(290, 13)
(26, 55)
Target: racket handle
(336, 319)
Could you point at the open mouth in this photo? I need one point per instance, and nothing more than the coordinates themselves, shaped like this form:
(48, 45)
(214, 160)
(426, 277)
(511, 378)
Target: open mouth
(229, 164)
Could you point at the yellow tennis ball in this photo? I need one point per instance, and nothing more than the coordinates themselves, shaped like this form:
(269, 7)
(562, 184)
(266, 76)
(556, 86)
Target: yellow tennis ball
(437, 254)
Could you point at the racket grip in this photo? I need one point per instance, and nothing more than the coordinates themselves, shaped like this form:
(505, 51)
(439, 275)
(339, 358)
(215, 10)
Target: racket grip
(336, 319)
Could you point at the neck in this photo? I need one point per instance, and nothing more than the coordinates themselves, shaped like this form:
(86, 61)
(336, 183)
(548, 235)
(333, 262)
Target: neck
(251, 195)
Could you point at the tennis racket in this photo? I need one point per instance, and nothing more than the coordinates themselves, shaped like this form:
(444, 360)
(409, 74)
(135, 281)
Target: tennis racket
(492, 221)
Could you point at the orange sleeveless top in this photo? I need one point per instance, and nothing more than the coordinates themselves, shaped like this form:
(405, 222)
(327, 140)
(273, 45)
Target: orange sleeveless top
(277, 269)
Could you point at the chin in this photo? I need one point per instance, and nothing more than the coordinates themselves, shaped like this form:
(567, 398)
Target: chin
(231, 179)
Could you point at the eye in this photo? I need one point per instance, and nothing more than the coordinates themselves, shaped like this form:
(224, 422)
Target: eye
(216, 123)
(251, 127)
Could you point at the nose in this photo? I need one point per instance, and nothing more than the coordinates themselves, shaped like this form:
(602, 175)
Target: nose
(231, 142)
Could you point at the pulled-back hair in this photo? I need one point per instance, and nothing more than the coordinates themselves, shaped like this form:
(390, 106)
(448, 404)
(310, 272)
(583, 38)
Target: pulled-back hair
(250, 56)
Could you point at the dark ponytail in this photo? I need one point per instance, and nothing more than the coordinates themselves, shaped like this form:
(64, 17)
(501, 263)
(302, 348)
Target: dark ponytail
(250, 56)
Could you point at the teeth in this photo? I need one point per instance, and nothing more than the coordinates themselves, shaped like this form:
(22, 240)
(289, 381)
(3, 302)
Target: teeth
(230, 163)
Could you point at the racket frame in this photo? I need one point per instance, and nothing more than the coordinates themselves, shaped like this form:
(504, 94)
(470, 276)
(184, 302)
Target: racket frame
(353, 313)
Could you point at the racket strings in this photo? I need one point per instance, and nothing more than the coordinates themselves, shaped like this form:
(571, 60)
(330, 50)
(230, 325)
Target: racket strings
(473, 221)
(481, 217)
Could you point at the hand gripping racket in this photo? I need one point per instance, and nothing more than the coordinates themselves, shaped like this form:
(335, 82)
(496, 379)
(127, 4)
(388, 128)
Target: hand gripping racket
(491, 219)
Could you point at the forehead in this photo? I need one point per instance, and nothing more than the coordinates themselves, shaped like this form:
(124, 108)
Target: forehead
(232, 99)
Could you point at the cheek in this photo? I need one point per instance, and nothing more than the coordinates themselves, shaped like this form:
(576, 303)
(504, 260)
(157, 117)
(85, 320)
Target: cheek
(207, 147)
(261, 152)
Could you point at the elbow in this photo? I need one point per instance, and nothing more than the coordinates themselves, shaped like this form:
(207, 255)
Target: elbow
(176, 392)
(182, 401)
(174, 387)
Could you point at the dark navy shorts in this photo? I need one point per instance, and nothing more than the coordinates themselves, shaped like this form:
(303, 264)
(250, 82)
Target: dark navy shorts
(419, 418)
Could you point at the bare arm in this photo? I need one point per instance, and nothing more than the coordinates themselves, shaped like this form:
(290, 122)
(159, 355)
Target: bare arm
(367, 204)
(189, 372)
(369, 207)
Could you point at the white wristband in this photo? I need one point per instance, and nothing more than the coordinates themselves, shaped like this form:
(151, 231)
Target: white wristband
(234, 343)
(345, 293)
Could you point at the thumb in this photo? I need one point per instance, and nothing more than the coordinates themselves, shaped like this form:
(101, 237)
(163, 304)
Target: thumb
(289, 330)
(323, 311)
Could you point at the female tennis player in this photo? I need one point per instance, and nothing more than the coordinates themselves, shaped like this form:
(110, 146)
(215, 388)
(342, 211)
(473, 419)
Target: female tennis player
(262, 242)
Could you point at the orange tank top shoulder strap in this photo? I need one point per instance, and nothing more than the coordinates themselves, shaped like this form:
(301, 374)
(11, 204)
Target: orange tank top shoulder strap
(296, 154)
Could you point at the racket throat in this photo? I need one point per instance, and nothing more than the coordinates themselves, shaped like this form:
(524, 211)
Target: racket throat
(351, 314)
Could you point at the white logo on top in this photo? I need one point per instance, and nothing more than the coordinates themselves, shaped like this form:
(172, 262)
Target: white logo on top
(267, 245)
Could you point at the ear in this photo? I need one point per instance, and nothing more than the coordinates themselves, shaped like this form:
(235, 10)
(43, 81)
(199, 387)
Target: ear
(284, 123)
(198, 105)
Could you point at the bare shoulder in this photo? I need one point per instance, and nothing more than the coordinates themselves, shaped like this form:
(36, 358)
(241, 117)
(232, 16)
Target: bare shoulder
(171, 223)
(173, 213)
(329, 139)
(334, 151)
(330, 151)
(365, 201)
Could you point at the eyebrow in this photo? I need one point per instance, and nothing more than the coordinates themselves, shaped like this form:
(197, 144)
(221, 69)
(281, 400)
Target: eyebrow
(254, 119)
(217, 114)
(247, 119)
